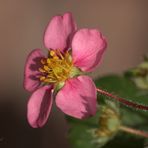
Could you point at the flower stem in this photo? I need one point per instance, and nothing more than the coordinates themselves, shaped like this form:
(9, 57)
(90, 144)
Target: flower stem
(134, 131)
(123, 101)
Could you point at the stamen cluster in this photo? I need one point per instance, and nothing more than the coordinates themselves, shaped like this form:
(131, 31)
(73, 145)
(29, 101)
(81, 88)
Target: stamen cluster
(56, 68)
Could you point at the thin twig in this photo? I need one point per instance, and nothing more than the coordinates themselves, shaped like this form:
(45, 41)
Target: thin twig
(123, 101)
(134, 131)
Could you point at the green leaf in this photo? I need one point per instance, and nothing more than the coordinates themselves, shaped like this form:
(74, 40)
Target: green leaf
(125, 141)
(96, 131)
(123, 87)
(139, 74)
(87, 133)
(81, 133)
(90, 122)
(80, 137)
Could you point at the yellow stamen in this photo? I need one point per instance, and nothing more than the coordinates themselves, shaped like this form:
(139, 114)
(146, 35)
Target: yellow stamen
(41, 70)
(48, 61)
(52, 53)
(55, 57)
(43, 61)
(56, 68)
(59, 53)
(42, 78)
(46, 68)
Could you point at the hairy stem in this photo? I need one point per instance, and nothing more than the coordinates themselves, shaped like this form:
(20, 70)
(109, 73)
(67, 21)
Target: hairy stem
(134, 131)
(123, 101)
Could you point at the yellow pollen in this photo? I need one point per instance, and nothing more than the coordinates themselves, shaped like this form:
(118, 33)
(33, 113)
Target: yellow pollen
(56, 68)
(55, 57)
(42, 78)
(48, 61)
(43, 61)
(41, 70)
(46, 68)
(52, 53)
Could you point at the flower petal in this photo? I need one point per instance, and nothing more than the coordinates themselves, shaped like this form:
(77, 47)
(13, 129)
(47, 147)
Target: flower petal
(78, 97)
(88, 46)
(31, 82)
(59, 31)
(39, 106)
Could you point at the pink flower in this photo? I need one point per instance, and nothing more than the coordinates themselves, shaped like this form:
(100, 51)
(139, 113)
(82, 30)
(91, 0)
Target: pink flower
(59, 75)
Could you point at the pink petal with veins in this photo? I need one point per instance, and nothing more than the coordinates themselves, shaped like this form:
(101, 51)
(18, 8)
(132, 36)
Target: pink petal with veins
(78, 97)
(31, 81)
(59, 32)
(88, 46)
(39, 106)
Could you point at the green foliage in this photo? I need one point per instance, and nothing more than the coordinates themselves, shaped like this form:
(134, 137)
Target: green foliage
(91, 133)
(139, 74)
(123, 87)
(82, 132)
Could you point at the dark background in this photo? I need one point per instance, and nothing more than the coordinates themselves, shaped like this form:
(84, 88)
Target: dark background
(22, 23)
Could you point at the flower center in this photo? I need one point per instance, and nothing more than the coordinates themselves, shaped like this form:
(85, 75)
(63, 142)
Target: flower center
(56, 68)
